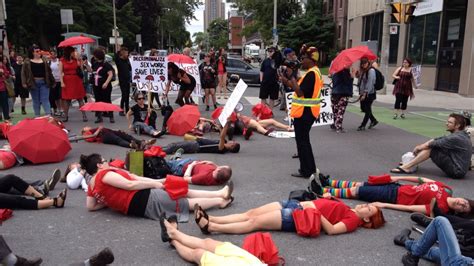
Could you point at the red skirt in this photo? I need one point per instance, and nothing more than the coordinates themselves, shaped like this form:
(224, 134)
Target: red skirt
(73, 89)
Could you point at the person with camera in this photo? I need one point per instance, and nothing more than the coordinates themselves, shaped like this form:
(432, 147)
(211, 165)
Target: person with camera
(269, 79)
(305, 107)
(208, 73)
(291, 61)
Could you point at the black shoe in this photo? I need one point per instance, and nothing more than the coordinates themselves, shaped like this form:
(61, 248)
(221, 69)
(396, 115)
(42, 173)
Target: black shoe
(298, 174)
(53, 180)
(26, 262)
(98, 120)
(104, 257)
(333, 127)
(324, 179)
(420, 219)
(410, 260)
(248, 133)
(361, 128)
(121, 113)
(373, 124)
(402, 237)
(314, 186)
(164, 231)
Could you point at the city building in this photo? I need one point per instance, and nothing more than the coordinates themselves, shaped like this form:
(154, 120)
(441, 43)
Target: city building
(338, 10)
(440, 38)
(213, 9)
(236, 24)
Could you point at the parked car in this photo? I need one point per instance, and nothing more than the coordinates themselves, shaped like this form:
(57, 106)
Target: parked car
(250, 74)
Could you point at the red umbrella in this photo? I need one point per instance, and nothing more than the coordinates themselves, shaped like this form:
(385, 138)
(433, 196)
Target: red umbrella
(183, 120)
(347, 57)
(262, 111)
(100, 107)
(76, 40)
(216, 113)
(39, 141)
(180, 59)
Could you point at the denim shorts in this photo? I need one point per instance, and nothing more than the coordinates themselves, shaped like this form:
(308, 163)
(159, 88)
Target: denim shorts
(287, 223)
(383, 193)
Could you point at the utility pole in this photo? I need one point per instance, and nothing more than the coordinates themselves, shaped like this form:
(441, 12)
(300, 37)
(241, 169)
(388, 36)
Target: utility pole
(274, 31)
(385, 47)
(115, 27)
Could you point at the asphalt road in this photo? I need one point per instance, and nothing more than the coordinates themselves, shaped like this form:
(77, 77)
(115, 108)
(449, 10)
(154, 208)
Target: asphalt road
(261, 172)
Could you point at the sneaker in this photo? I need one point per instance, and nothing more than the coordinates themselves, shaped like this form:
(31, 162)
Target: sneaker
(248, 132)
(314, 186)
(395, 116)
(421, 219)
(324, 179)
(402, 237)
(177, 155)
(104, 257)
(373, 124)
(53, 180)
(402, 116)
(361, 128)
(410, 259)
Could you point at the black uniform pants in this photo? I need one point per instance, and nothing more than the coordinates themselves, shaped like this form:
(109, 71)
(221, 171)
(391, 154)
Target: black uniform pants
(303, 144)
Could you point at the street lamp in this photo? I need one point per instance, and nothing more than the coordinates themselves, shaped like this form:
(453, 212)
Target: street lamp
(115, 27)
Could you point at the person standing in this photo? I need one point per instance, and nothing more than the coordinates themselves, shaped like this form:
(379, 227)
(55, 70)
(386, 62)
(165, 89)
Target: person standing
(19, 90)
(403, 89)
(367, 93)
(71, 82)
(4, 75)
(222, 73)
(269, 79)
(103, 73)
(341, 90)
(124, 69)
(305, 107)
(55, 91)
(208, 73)
(37, 77)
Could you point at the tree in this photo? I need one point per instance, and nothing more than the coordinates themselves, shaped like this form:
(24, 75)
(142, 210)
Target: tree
(218, 33)
(201, 39)
(312, 28)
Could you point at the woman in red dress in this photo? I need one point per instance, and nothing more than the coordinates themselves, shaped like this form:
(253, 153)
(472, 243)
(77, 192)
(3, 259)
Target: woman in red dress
(71, 83)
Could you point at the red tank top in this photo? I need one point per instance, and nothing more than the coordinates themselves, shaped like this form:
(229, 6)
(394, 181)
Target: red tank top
(114, 198)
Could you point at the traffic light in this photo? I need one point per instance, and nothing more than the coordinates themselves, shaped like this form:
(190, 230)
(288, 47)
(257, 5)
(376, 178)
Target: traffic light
(408, 13)
(397, 11)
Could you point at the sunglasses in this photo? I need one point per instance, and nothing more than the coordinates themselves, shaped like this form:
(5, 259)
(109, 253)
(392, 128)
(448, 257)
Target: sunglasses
(103, 161)
(140, 98)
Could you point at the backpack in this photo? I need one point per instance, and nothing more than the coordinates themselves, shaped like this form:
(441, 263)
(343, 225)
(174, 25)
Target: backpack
(302, 195)
(379, 80)
(155, 167)
(261, 245)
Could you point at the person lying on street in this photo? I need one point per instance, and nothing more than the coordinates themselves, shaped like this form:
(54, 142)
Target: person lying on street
(76, 177)
(114, 137)
(262, 126)
(451, 153)
(336, 217)
(140, 196)
(203, 145)
(204, 252)
(204, 173)
(34, 199)
(386, 192)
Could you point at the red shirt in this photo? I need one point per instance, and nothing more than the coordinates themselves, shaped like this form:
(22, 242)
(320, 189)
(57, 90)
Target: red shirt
(202, 174)
(115, 198)
(336, 211)
(422, 195)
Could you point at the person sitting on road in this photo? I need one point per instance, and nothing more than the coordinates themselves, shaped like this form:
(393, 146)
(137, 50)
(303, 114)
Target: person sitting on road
(202, 145)
(140, 196)
(38, 201)
(336, 217)
(447, 252)
(451, 153)
(204, 251)
(7, 257)
(470, 131)
(113, 137)
(204, 173)
(262, 126)
(386, 192)
(144, 119)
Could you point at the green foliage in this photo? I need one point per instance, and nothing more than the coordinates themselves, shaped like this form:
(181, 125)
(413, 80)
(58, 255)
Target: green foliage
(201, 39)
(218, 33)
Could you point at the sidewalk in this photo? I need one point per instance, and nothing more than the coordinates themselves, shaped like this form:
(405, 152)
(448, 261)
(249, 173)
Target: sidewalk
(426, 98)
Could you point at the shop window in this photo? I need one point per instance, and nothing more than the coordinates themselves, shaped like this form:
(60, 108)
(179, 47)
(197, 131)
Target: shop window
(393, 50)
(423, 39)
(372, 28)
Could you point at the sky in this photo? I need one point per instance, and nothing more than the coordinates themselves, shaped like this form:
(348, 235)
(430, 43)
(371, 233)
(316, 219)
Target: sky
(197, 25)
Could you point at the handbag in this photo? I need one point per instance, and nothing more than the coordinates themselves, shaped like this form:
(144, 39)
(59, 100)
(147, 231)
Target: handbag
(176, 187)
(307, 222)
(5, 214)
(10, 87)
(134, 162)
(79, 72)
(261, 245)
(396, 80)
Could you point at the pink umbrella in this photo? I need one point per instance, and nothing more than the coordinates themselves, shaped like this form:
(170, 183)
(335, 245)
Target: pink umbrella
(180, 59)
(76, 40)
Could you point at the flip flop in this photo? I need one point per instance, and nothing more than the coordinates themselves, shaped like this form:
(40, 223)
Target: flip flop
(230, 184)
(198, 210)
(400, 170)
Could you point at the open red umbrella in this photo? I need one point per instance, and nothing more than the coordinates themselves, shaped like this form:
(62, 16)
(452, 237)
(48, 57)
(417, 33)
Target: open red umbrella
(216, 113)
(39, 141)
(262, 111)
(101, 107)
(183, 120)
(180, 59)
(76, 40)
(347, 57)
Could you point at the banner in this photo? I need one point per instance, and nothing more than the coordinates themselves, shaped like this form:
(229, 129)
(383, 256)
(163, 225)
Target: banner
(232, 102)
(147, 69)
(416, 71)
(326, 116)
(193, 70)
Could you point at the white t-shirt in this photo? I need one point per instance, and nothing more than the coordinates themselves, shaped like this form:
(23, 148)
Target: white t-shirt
(55, 69)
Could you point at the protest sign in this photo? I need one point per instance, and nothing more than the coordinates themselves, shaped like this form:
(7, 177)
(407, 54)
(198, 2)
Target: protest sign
(147, 69)
(282, 134)
(232, 102)
(326, 116)
(416, 71)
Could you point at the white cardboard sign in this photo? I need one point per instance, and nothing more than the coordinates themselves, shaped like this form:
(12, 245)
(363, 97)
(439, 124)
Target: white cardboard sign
(326, 117)
(232, 102)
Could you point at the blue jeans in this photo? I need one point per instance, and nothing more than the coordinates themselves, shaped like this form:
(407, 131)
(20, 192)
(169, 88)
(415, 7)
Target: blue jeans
(4, 105)
(40, 96)
(287, 208)
(144, 127)
(178, 165)
(448, 252)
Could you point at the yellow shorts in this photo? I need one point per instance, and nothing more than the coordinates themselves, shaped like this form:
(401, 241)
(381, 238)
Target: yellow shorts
(229, 255)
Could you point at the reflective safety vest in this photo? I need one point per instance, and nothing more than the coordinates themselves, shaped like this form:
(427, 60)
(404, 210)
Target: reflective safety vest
(299, 103)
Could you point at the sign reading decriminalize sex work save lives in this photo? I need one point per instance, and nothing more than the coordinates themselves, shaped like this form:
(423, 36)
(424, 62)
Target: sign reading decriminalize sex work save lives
(326, 116)
(149, 69)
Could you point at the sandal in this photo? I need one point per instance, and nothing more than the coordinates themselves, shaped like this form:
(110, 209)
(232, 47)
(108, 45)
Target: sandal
(62, 196)
(229, 184)
(400, 170)
(164, 231)
(198, 210)
(229, 203)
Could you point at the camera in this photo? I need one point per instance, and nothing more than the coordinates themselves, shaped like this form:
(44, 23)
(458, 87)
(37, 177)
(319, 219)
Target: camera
(293, 64)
